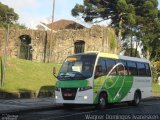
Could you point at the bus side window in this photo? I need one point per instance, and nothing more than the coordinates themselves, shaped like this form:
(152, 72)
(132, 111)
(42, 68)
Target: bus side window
(132, 68)
(102, 65)
(148, 69)
(122, 70)
(111, 63)
(141, 69)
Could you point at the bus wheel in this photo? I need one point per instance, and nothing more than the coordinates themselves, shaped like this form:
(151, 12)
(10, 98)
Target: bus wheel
(137, 99)
(102, 101)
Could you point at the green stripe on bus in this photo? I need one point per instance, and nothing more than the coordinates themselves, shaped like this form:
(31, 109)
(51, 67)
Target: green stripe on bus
(114, 86)
(72, 83)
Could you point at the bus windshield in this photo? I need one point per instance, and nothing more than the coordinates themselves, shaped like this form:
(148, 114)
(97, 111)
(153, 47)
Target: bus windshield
(77, 67)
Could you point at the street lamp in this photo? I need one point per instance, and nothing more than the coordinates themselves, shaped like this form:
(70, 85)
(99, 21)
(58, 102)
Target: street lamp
(9, 17)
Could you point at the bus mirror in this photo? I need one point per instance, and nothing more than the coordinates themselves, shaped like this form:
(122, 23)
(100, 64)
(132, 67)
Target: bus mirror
(54, 72)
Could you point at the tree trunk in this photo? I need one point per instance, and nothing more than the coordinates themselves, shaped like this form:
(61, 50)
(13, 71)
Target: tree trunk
(131, 54)
(136, 49)
(120, 28)
(148, 55)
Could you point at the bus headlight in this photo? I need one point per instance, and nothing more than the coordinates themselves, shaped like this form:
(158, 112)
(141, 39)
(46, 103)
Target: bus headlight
(85, 97)
(56, 97)
(85, 88)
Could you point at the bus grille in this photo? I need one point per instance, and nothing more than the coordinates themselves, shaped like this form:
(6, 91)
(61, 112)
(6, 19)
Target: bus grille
(69, 93)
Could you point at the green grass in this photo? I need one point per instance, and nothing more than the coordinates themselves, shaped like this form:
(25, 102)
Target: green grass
(155, 87)
(24, 75)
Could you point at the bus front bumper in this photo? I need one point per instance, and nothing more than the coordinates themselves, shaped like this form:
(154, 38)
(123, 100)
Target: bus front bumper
(82, 97)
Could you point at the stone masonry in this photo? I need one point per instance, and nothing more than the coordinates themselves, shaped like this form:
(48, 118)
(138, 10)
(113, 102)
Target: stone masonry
(95, 39)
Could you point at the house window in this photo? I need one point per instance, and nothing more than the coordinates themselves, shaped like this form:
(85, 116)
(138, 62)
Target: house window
(79, 46)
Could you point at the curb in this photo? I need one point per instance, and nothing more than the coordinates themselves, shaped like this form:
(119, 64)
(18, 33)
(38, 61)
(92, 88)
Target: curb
(153, 98)
(156, 94)
(22, 110)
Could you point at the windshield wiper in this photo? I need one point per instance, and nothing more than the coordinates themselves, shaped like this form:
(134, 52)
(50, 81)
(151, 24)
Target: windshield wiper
(80, 78)
(65, 76)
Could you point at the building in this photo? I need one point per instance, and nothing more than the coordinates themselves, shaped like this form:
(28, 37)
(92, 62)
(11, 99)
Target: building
(65, 24)
(37, 45)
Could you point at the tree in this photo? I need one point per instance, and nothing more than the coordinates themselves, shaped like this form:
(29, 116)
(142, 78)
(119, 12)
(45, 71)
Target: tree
(151, 41)
(146, 12)
(127, 52)
(131, 18)
(118, 11)
(156, 70)
(4, 11)
(149, 25)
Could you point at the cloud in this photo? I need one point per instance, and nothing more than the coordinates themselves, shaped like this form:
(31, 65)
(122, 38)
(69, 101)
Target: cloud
(20, 4)
(28, 10)
(32, 12)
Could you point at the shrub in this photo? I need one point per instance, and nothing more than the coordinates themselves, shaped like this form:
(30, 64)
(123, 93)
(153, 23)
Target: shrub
(156, 70)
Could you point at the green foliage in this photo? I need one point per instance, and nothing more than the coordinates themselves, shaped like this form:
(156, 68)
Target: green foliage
(122, 5)
(127, 52)
(131, 19)
(112, 40)
(116, 10)
(146, 28)
(138, 18)
(77, 10)
(156, 70)
(151, 39)
(7, 15)
(155, 88)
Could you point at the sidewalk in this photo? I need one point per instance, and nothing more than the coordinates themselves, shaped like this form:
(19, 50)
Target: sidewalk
(21, 105)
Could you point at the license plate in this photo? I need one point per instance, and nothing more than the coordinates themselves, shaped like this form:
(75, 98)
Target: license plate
(68, 94)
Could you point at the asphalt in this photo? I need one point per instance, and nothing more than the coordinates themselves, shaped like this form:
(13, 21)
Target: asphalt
(148, 110)
(24, 105)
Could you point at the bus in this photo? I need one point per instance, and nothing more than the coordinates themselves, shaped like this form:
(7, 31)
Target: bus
(101, 78)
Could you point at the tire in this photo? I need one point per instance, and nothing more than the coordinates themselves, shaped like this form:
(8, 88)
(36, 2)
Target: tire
(102, 101)
(137, 99)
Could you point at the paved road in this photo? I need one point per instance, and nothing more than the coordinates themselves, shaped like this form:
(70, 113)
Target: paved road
(146, 110)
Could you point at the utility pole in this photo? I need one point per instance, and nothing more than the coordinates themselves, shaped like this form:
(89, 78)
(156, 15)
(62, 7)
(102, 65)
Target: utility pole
(9, 18)
(51, 40)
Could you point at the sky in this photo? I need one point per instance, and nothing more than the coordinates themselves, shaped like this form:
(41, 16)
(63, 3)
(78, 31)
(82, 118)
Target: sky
(31, 12)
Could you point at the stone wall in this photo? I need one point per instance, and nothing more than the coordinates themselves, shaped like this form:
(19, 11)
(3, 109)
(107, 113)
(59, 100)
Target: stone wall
(96, 39)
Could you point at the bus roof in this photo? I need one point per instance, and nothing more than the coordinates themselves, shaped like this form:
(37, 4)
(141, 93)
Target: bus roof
(133, 59)
(114, 56)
